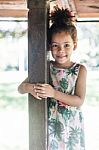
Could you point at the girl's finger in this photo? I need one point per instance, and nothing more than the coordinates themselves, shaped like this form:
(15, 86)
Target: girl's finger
(37, 96)
(42, 95)
(40, 91)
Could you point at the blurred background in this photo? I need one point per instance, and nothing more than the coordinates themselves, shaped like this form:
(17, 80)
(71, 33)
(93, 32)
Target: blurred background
(14, 69)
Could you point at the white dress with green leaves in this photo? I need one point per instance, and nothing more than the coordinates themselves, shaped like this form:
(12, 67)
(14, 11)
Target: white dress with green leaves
(65, 123)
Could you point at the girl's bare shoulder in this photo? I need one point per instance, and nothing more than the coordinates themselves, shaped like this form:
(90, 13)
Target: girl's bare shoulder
(83, 68)
(82, 71)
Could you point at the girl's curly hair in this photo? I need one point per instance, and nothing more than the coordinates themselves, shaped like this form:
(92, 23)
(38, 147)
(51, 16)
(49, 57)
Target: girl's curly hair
(62, 20)
(59, 16)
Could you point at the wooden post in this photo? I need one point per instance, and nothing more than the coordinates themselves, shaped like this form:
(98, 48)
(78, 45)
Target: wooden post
(37, 67)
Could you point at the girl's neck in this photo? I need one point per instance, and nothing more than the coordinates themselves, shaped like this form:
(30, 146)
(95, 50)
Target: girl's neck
(66, 65)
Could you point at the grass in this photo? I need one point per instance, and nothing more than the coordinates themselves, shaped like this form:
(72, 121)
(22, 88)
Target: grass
(9, 96)
(14, 118)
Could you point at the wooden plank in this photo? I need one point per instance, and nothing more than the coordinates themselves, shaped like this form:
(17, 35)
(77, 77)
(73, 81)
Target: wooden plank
(37, 30)
(13, 5)
(16, 8)
(13, 13)
(86, 8)
(10, 2)
(88, 15)
(5, 1)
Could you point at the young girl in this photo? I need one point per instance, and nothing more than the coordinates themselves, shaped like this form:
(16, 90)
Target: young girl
(66, 91)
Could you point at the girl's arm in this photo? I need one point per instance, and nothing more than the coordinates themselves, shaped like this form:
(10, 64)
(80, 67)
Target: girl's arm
(23, 87)
(46, 90)
(26, 87)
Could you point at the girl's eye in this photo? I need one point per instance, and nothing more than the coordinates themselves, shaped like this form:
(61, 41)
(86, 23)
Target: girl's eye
(67, 46)
(55, 46)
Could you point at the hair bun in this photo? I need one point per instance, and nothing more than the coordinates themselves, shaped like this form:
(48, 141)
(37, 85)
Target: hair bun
(59, 16)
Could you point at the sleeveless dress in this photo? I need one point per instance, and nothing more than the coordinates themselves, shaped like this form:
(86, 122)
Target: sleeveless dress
(65, 123)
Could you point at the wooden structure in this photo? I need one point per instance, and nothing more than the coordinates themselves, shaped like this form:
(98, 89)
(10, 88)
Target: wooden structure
(37, 37)
(13, 8)
(18, 8)
(36, 12)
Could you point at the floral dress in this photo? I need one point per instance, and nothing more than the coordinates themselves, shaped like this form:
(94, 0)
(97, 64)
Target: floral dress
(65, 123)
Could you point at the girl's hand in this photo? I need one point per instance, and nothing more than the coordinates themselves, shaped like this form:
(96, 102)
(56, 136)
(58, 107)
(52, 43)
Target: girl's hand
(31, 89)
(44, 90)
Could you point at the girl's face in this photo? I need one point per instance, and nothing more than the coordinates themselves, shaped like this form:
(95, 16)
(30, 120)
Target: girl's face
(62, 47)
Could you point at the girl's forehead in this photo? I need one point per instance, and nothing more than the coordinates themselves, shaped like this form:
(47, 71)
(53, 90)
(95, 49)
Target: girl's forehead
(62, 33)
(61, 36)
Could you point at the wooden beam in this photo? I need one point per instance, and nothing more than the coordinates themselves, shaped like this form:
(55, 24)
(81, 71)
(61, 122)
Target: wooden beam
(88, 15)
(37, 37)
(87, 9)
(13, 8)
(11, 1)
(13, 13)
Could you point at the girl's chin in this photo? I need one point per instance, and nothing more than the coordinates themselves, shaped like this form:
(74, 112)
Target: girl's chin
(61, 61)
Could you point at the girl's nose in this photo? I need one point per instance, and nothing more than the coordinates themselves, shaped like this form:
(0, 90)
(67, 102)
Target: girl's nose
(61, 48)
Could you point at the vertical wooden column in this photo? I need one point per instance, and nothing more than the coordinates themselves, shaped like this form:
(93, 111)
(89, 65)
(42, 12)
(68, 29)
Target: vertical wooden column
(37, 66)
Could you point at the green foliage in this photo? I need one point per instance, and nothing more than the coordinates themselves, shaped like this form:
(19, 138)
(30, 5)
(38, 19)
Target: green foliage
(16, 31)
(13, 34)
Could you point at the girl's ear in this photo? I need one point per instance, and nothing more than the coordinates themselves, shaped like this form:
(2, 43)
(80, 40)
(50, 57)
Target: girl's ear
(75, 45)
